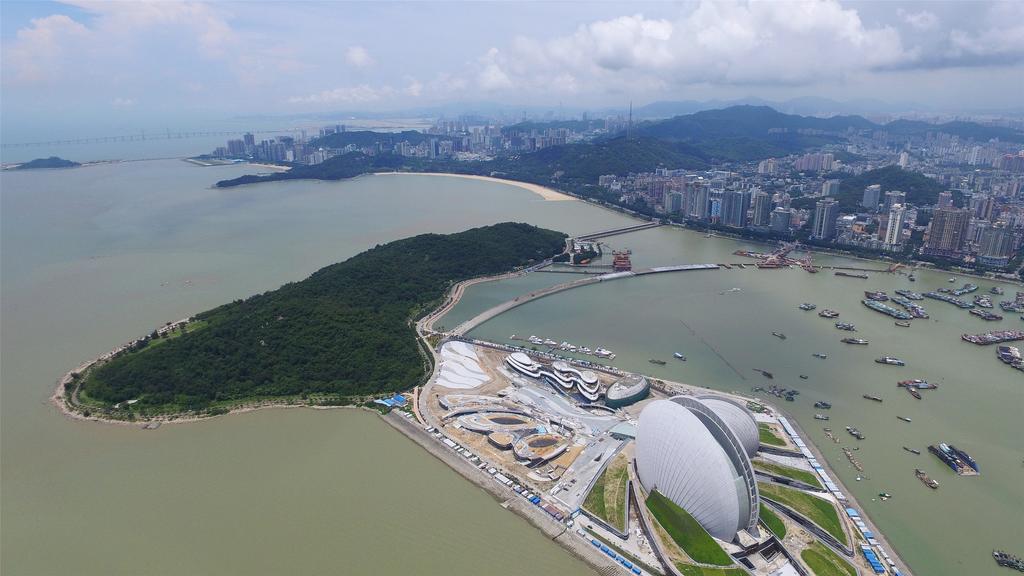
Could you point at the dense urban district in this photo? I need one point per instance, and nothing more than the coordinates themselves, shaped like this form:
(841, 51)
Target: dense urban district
(949, 194)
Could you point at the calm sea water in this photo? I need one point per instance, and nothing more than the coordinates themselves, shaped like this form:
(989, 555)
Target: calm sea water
(94, 256)
(726, 333)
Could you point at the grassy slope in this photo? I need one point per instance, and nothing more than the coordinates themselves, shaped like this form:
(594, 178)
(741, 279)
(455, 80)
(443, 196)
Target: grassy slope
(607, 499)
(818, 510)
(789, 472)
(692, 570)
(686, 531)
(768, 436)
(824, 562)
(773, 522)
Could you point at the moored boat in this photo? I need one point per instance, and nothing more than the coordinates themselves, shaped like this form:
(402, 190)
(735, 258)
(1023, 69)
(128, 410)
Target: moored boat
(925, 479)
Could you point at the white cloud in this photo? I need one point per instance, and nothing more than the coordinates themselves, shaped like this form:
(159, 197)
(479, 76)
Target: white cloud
(358, 56)
(1002, 38)
(492, 77)
(727, 42)
(360, 94)
(923, 20)
(414, 88)
(38, 50)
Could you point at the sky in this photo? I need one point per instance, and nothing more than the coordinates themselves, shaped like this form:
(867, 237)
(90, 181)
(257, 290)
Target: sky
(80, 65)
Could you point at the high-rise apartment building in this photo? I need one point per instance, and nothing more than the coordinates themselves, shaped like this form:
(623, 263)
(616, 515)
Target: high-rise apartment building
(825, 213)
(871, 196)
(947, 231)
(762, 209)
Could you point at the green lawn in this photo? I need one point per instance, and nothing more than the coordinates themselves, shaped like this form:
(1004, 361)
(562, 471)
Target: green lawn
(824, 562)
(768, 436)
(818, 510)
(773, 522)
(607, 499)
(789, 472)
(692, 570)
(686, 531)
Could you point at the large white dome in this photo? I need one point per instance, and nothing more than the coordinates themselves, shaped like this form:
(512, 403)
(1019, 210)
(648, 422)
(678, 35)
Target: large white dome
(739, 419)
(688, 453)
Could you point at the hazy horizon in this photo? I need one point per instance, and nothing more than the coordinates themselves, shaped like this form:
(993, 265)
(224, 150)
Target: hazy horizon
(86, 68)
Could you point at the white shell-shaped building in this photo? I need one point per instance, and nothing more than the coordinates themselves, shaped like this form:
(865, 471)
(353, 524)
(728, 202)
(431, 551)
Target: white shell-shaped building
(739, 419)
(688, 453)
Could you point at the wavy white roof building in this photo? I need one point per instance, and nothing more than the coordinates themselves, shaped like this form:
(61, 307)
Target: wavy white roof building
(688, 452)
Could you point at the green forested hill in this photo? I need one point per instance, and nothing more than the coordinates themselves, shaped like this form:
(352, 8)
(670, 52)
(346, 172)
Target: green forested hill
(344, 330)
(921, 190)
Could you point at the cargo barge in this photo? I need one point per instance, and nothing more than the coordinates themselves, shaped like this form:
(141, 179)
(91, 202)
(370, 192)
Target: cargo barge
(958, 460)
(994, 337)
(852, 275)
(950, 299)
(886, 309)
(925, 479)
(986, 315)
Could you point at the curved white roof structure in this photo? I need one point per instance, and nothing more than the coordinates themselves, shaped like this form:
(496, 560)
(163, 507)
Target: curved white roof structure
(561, 373)
(689, 454)
(739, 419)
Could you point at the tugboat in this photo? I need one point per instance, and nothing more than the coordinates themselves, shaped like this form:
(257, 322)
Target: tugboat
(925, 479)
(858, 341)
(819, 355)
(912, 450)
(822, 405)
(904, 418)
(779, 335)
(870, 397)
(826, 313)
(807, 306)
(846, 326)
(890, 360)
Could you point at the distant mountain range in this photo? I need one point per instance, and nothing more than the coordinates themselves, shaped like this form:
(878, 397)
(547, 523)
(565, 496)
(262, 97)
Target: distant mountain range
(749, 132)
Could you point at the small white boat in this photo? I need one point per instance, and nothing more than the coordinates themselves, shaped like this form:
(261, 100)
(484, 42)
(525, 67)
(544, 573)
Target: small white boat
(680, 356)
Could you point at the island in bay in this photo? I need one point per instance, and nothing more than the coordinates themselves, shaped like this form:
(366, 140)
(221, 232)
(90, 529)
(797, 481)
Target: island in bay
(625, 471)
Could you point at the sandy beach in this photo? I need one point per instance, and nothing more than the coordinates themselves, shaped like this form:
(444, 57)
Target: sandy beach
(543, 192)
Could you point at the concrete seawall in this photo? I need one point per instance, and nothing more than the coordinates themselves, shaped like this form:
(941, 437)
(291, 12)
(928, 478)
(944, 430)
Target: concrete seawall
(510, 500)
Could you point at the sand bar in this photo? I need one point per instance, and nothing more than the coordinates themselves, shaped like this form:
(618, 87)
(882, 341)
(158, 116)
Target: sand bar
(542, 191)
